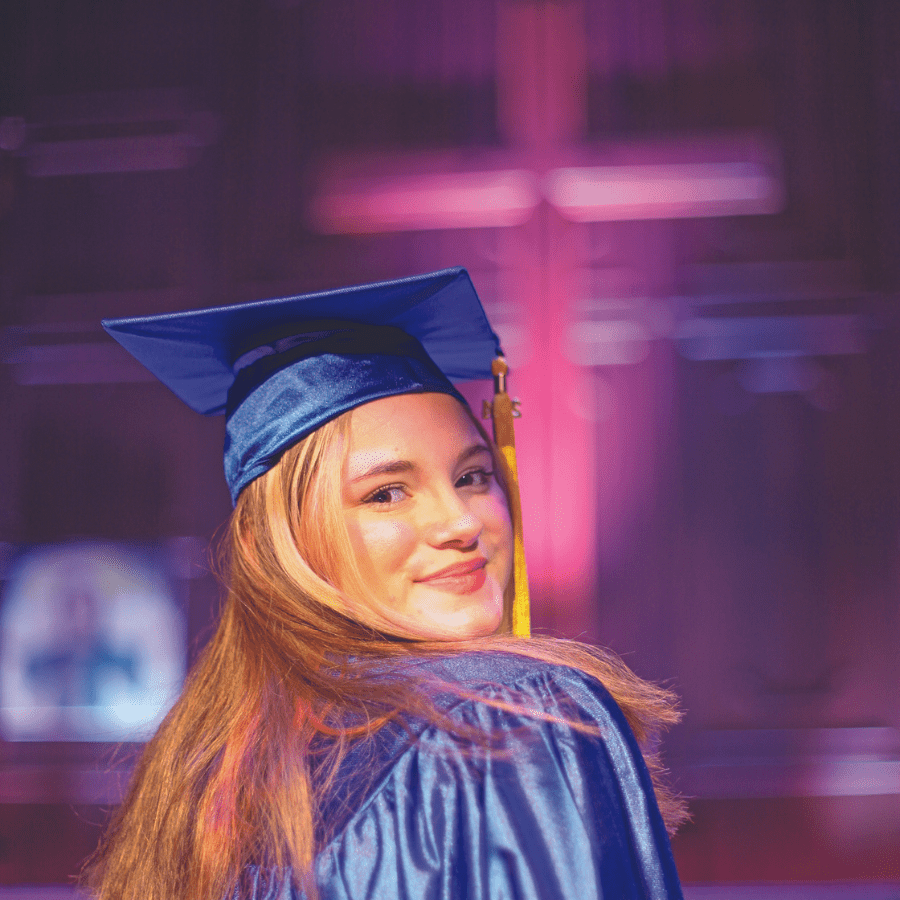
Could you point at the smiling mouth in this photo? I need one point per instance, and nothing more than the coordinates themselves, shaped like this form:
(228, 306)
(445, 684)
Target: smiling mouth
(462, 578)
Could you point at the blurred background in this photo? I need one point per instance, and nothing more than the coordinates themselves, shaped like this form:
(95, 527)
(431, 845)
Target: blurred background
(683, 217)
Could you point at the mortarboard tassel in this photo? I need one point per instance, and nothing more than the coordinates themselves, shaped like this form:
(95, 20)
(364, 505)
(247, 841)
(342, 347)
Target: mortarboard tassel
(502, 412)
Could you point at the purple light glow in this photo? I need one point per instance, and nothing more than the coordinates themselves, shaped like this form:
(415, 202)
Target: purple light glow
(150, 153)
(88, 363)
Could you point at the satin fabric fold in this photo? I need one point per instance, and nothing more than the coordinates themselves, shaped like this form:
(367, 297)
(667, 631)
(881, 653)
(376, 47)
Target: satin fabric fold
(542, 812)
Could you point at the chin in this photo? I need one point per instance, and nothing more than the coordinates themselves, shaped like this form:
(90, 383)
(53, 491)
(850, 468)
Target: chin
(480, 618)
(451, 635)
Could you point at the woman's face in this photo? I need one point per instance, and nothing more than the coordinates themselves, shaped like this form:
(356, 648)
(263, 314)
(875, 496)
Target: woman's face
(428, 522)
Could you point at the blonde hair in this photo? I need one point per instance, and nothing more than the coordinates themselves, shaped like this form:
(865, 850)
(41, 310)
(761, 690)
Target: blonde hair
(238, 771)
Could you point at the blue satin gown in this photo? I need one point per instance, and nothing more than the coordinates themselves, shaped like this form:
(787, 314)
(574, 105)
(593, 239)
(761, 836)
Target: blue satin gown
(543, 812)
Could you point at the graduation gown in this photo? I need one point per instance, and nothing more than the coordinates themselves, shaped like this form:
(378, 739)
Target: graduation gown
(543, 812)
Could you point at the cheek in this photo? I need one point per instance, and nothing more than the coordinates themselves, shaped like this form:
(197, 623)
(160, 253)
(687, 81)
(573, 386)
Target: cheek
(497, 514)
(381, 546)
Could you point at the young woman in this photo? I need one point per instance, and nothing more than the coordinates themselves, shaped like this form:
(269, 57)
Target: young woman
(362, 725)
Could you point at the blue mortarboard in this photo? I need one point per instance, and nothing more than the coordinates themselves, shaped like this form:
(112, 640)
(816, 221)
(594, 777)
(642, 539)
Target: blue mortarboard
(278, 369)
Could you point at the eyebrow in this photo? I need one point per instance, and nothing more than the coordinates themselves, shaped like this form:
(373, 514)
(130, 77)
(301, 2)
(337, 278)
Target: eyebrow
(474, 450)
(401, 466)
(394, 467)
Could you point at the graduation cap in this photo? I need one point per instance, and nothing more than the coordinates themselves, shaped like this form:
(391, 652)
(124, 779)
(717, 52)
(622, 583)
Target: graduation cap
(279, 369)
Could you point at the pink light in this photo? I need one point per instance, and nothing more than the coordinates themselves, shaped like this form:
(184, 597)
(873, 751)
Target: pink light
(675, 191)
(499, 199)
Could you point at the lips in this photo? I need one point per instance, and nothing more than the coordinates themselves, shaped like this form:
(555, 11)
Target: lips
(460, 578)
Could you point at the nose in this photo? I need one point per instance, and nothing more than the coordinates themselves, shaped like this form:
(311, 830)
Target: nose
(452, 522)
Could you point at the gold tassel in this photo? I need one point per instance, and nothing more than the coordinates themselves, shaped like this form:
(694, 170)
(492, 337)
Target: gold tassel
(503, 410)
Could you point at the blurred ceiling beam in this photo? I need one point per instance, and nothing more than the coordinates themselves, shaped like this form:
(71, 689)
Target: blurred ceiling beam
(105, 133)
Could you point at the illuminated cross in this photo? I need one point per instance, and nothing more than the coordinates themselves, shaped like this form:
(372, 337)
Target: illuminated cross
(538, 194)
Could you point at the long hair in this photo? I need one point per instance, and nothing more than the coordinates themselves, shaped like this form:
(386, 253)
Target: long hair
(238, 771)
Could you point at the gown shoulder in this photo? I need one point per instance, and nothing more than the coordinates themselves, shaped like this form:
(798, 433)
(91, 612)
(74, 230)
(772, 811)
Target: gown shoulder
(555, 802)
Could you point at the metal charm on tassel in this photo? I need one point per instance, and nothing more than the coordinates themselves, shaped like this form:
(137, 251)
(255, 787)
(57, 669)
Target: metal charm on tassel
(503, 410)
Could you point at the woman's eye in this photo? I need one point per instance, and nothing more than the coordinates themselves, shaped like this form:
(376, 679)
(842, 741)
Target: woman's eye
(387, 495)
(475, 478)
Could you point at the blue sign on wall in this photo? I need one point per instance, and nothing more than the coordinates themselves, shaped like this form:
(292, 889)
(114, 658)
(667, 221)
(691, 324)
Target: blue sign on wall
(92, 645)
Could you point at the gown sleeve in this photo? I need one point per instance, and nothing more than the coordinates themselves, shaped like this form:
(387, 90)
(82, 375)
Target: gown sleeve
(543, 812)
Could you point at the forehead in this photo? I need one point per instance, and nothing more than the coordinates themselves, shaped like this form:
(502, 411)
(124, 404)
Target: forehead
(411, 423)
